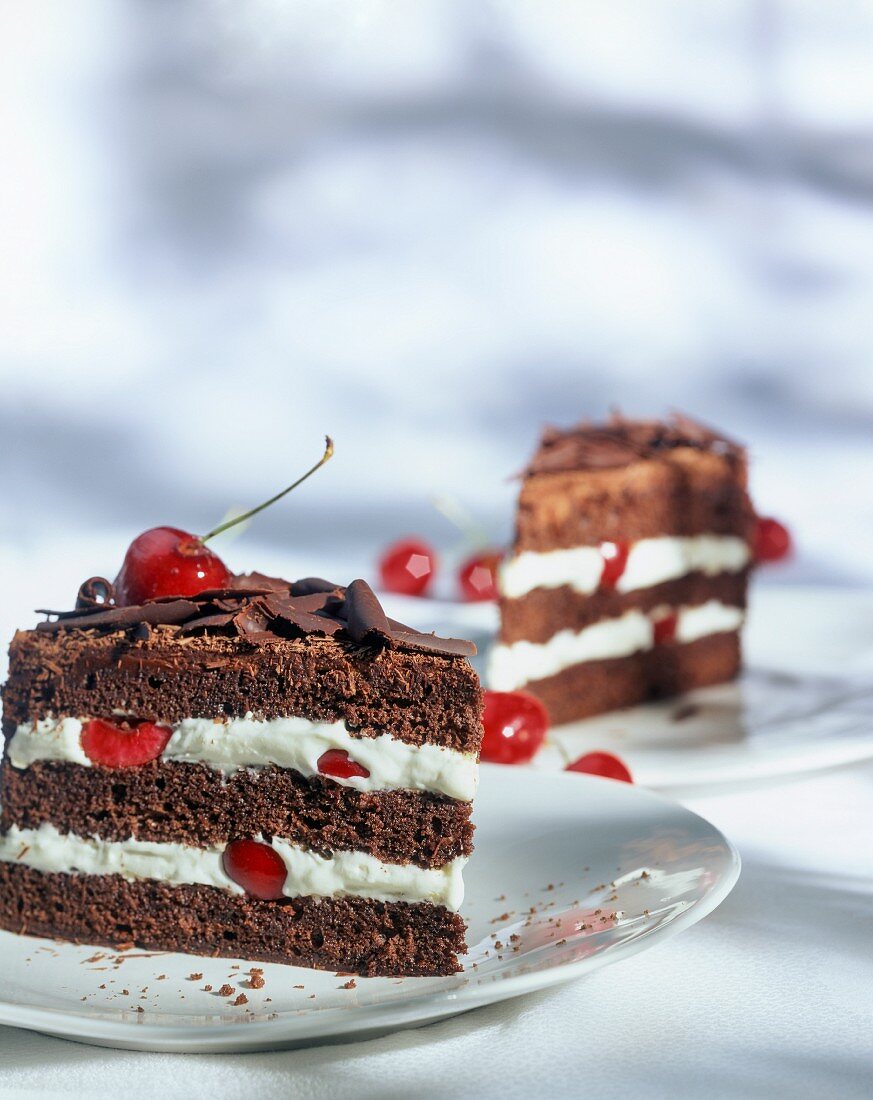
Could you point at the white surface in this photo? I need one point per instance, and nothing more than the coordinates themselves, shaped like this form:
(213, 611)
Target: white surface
(293, 742)
(649, 562)
(342, 873)
(585, 873)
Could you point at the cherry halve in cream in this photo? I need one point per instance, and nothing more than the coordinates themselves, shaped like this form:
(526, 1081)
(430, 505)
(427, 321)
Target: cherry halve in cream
(615, 555)
(123, 744)
(337, 764)
(256, 867)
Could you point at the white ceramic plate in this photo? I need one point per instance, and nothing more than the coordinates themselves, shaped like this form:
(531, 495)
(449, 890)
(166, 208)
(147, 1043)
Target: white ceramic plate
(804, 703)
(557, 857)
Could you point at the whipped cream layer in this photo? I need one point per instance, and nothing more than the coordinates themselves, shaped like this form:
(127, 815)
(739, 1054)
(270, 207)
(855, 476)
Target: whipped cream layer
(512, 666)
(294, 743)
(650, 562)
(342, 874)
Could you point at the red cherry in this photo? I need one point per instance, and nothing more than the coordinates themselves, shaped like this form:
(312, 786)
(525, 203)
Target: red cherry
(123, 746)
(614, 556)
(256, 867)
(665, 628)
(338, 765)
(407, 567)
(515, 727)
(478, 576)
(772, 541)
(603, 764)
(165, 561)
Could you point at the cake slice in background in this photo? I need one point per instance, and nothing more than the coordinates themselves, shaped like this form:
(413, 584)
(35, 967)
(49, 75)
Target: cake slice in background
(628, 574)
(269, 771)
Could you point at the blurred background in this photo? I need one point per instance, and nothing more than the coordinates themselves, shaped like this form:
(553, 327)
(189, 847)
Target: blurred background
(426, 228)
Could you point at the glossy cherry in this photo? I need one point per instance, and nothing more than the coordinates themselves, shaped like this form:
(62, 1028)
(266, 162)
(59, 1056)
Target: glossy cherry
(603, 764)
(664, 628)
(478, 576)
(407, 567)
(772, 540)
(165, 561)
(614, 556)
(123, 746)
(515, 726)
(337, 764)
(256, 867)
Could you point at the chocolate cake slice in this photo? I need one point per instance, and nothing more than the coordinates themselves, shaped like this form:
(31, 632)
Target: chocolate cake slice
(627, 579)
(273, 771)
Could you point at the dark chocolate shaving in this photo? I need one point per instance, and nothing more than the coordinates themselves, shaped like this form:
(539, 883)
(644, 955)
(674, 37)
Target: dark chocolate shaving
(156, 613)
(308, 586)
(262, 610)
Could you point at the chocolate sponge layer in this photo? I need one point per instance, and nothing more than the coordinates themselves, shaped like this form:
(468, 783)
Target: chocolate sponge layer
(594, 687)
(193, 804)
(417, 697)
(682, 492)
(343, 934)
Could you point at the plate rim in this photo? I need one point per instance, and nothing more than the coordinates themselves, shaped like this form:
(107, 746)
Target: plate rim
(344, 1022)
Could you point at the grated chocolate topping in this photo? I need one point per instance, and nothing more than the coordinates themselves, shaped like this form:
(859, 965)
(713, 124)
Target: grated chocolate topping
(257, 608)
(620, 442)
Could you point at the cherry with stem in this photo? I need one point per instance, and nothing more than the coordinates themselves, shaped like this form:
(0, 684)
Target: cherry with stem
(166, 561)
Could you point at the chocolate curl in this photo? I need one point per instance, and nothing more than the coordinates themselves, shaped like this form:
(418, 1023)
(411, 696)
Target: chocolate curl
(95, 592)
(364, 614)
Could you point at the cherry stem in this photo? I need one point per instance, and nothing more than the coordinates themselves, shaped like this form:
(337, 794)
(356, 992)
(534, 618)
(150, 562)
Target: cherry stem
(328, 451)
(460, 518)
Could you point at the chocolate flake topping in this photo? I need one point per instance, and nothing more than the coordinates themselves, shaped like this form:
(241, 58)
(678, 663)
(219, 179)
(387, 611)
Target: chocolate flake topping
(620, 442)
(259, 609)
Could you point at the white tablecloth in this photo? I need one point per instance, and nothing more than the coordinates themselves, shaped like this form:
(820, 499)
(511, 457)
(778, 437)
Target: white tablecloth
(771, 996)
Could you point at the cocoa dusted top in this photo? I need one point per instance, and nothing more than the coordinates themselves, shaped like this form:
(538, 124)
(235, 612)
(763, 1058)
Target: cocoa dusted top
(257, 608)
(620, 442)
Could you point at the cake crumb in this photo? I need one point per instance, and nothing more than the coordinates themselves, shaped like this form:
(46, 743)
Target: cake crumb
(125, 992)
(207, 988)
(686, 711)
(350, 984)
(241, 999)
(225, 990)
(195, 977)
(299, 986)
(256, 981)
(139, 1008)
(161, 978)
